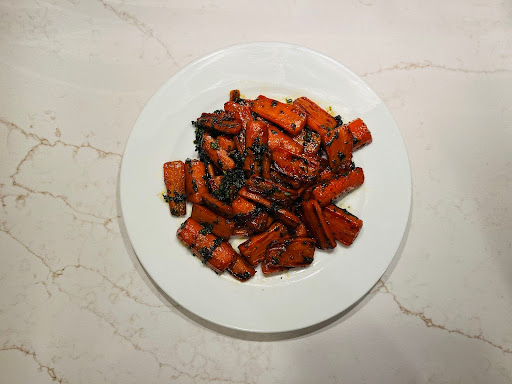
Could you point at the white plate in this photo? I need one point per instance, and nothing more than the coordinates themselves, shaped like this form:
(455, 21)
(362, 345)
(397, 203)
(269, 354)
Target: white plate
(299, 298)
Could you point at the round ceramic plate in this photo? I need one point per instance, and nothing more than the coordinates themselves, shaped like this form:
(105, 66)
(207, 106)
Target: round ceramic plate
(300, 297)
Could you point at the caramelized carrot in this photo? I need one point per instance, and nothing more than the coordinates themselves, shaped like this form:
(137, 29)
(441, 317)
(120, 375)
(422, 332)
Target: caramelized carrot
(195, 180)
(240, 112)
(218, 206)
(220, 121)
(212, 251)
(218, 225)
(174, 179)
(265, 169)
(240, 269)
(217, 154)
(282, 214)
(331, 189)
(247, 213)
(268, 269)
(316, 224)
(234, 95)
(361, 135)
(299, 167)
(210, 169)
(317, 118)
(214, 183)
(301, 230)
(310, 140)
(344, 226)
(274, 192)
(256, 139)
(286, 116)
(297, 252)
(254, 249)
(278, 139)
(227, 144)
(338, 146)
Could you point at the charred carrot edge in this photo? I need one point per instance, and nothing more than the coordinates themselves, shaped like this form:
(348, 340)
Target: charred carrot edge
(221, 121)
(217, 154)
(331, 189)
(195, 183)
(282, 214)
(218, 206)
(254, 248)
(214, 183)
(338, 146)
(226, 143)
(286, 116)
(211, 250)
(317, 118)
(234, 95)
(296, 252)
(300, 167)
(316, 225)
(240, 269)
(174, 179)
(310, 140)
(247, 213)
(273, 191)
(361, 135)
(218, 225)
(344, 226)
(241, 112)
(278, 139)
(267, 269)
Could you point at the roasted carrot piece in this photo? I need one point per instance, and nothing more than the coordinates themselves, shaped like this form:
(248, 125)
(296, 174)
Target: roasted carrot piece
(174, 179)
(267, 161)
(217, 154)
(220, 121)
(338, 146)
(278, 139)
(310, 140)
(234, 95)
(210, 169)
(256, 139)
(286, 116)
(268, 269)
(297, 252)
(254, 248)
(218, 225)
(226, 143)
(217, 206)
(331, 189)
(317, 118)
(239, 111)
(211, 250)
(214, 183)
(316, 224)
(195, 180)
(240, 269)
(301, 230)
(273, 191)
(247, 213)
(282, 214)
(361, 135)
(299, 167)
(344, 226)
(285, 181)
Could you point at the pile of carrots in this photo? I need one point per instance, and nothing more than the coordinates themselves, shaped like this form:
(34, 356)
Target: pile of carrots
(267, 170)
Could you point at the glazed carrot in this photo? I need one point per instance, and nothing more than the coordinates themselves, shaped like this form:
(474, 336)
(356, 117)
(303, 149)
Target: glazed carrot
(299, 167)
(256, 139)
(267, 161)
(286, 116)
(214, 183)
(174, 179)
(211, 250)
(268, 269)
(316, 224)
(361, 135)
(217, 154)
(301, 230)
(220, 121)
(310, 140)
(282, 214)
(210, 169)
(338, 146)
(240, 269)
(254, 249)
(331, 189)
(327, 173)
(226, 143)
(247, 213)
(218, 225)
(273, 191)
(297, 252)
(344, 226)
(285, 181)
(278, 139)
(195, 183)
(317, 118)
(240, 112)
(218, 206)
(234, 95)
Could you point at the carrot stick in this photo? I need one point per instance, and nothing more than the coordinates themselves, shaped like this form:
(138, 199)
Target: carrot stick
(286, 116)
(317, 118)
(174, 178)
(216, 153)
(254, 249)
(195, 183)
(338, 146)
(331, 189)
(344, 225)
(219, 225)
(221, 121)
(240, 269)
(297, 252)
(360, 132)
(316, 224)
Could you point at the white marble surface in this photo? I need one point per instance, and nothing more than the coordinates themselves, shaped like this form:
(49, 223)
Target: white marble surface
(75, 304)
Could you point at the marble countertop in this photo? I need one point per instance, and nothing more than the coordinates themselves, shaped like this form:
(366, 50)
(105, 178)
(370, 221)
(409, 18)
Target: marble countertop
(75, 304)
